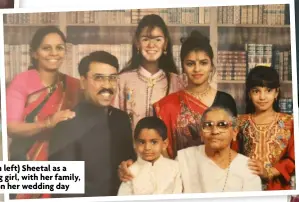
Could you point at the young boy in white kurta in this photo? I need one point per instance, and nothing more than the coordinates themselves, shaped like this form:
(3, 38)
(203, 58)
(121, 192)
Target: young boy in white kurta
(153, 174)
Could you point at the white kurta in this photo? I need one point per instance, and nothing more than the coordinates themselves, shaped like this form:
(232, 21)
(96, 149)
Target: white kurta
(201, 175)
(162, 177)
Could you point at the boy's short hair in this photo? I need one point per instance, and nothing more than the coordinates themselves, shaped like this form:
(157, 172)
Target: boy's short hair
(151, 122)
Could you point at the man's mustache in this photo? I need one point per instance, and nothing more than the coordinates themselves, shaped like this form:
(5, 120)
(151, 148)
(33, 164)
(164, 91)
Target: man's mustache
(108, 90)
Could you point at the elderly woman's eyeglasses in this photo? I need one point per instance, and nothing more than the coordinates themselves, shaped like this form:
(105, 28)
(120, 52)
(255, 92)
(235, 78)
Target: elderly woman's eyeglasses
(222, 126)
(101, 78)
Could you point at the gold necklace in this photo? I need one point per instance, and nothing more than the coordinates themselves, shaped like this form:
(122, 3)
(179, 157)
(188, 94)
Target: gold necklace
(199, 95)
(229, 162)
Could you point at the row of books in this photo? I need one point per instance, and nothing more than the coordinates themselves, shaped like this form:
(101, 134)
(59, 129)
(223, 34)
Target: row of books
(286, 105)
(15, 35)
(229, 38)
(267, 54)
(170, 16)
(114, 17)
(189, 15)
(231, 65)
(235, 65)
(276, 14)
(283, 64)
(257, 54)
(31, 18)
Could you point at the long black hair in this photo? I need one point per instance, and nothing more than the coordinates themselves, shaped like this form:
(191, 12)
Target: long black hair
(166, 61)
(262, 76)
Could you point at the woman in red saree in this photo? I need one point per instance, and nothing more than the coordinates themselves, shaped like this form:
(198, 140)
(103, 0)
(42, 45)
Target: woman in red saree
(266, 135)
(38, 99)
(182, 111)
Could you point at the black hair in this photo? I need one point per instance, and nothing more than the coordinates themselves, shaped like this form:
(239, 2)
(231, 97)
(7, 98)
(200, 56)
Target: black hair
(97, 56)
(262, 76)
(151, 122)
(196, 42)
(166, 61)
(38, 38)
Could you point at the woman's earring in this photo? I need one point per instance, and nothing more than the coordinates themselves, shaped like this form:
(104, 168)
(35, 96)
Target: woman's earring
(165, 51)
(138, 51)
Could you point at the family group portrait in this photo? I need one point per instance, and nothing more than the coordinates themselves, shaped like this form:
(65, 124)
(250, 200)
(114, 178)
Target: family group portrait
(154, 101)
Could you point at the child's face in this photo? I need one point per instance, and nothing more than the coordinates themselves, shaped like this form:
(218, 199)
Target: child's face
(263, 98)
(150, 145)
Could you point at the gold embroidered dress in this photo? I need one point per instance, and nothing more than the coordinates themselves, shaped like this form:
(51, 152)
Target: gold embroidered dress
(139, 89)
(272, 143)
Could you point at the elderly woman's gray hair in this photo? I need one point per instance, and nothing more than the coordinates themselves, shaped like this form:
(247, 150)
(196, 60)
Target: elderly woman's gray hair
(233, 119)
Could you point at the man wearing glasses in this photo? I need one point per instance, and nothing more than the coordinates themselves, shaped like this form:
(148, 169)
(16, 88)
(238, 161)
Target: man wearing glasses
(99, 134)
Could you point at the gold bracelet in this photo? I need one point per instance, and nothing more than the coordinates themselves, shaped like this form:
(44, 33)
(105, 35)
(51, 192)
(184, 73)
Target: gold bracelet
(270, 174)
(48, 124)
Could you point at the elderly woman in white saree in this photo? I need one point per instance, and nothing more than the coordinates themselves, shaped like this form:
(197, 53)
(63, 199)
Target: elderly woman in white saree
(214, 166)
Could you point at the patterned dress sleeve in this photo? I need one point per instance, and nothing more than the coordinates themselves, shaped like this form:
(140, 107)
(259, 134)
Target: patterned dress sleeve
(286, 165)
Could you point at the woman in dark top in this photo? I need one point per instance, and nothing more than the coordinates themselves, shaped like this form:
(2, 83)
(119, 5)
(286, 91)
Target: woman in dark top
(182, 111)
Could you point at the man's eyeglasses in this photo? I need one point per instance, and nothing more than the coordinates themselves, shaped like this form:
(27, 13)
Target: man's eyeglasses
(222, 126)
(101, 78)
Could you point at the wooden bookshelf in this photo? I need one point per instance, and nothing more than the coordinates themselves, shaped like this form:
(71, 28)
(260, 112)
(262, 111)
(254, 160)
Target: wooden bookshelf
(93, 32)
(253, 25)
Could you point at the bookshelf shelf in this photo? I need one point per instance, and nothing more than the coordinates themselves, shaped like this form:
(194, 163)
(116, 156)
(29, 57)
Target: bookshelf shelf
(253, 25)
(30, 25)
(231, 81)
(243, 82)
(135, 25)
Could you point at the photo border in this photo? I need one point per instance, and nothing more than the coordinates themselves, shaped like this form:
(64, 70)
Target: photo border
(171, 4)
(17, 4)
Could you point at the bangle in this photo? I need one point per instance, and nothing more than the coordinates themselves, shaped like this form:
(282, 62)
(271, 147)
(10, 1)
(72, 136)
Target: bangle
(270, 174)
(48, 123)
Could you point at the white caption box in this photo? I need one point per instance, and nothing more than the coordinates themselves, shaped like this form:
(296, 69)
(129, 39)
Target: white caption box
(42, 177)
